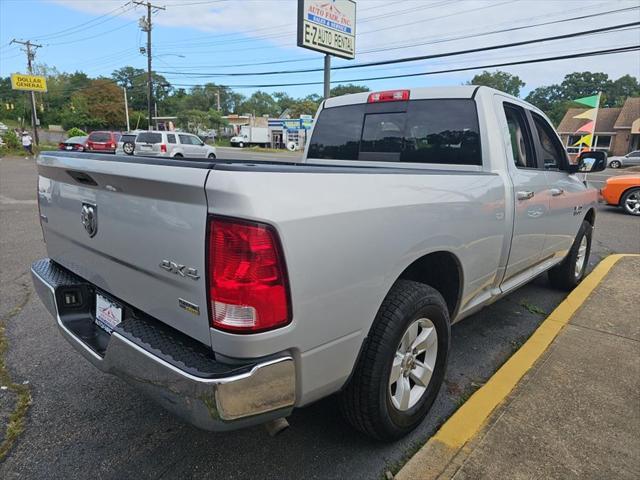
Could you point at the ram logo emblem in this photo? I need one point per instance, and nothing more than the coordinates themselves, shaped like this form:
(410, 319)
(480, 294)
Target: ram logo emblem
(89, 218)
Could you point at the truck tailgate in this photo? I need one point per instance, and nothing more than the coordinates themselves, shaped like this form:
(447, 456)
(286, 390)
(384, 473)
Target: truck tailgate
(148, 216)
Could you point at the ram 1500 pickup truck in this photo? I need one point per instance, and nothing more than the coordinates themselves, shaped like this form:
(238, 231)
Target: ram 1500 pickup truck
(233, 292)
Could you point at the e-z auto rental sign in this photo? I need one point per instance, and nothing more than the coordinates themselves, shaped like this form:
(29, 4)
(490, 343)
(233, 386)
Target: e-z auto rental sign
(328, 26)
(28, 82)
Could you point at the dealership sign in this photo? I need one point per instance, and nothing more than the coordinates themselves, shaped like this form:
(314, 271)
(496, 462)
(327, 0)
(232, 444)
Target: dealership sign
(328, 26)
(34, 83)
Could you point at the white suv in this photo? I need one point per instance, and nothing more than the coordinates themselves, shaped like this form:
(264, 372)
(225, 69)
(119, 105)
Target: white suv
(172, 144)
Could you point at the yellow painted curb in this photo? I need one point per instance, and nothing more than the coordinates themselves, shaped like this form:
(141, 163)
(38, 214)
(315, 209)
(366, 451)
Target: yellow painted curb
(471, 416)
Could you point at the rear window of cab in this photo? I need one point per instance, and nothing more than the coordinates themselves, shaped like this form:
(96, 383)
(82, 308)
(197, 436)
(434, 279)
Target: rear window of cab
(442, 131)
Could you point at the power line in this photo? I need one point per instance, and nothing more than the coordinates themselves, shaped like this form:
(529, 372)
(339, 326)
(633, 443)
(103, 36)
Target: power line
(90, 24)
(611, 51)
(438, 40)
(286, 34)
(415, 58)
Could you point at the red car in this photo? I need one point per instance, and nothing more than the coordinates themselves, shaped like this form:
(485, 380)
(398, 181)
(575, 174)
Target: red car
(102, 141)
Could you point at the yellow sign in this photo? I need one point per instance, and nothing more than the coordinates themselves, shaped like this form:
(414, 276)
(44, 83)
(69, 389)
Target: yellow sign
(35, 83)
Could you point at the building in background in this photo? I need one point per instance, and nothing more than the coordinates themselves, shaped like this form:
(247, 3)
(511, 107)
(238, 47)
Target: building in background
(617, 129)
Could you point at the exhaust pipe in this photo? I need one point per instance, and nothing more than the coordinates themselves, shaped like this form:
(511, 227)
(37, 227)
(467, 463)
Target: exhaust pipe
(274, 427)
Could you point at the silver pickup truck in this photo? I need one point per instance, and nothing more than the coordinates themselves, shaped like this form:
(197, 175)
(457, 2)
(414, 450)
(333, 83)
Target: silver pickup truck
(233, 292)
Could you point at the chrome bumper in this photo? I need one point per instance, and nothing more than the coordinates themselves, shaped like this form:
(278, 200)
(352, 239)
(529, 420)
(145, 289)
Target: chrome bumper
(265, 391)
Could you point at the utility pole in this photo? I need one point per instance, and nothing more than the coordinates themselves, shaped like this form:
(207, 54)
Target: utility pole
(145, 24)
(126, 108)
(30, 51)
(218, 99)
(327, 76)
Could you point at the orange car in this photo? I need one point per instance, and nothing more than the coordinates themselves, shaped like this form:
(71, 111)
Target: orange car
(623, 191)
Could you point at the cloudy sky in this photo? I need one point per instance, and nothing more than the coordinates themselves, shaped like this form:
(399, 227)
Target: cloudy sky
(196, 41)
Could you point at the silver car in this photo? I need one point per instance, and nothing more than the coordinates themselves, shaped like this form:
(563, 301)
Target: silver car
(629, 160)
(172, 145)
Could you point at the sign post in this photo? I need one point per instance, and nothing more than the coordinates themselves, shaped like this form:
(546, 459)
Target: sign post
(328, 26)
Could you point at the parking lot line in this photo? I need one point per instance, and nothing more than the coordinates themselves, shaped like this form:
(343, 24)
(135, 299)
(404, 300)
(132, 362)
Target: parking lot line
(462, 426)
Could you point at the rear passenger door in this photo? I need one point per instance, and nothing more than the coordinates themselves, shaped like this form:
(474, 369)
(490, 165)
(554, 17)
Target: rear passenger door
(529, 190)
(566, 192)
(187, 147)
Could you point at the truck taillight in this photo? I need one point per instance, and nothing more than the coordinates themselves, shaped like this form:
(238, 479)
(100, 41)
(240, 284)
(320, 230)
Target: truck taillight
(163, 148)
(248, 288)
(388, 96)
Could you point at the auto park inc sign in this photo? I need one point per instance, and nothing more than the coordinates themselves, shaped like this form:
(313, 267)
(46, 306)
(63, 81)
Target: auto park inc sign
(35, 83)
(328, 26)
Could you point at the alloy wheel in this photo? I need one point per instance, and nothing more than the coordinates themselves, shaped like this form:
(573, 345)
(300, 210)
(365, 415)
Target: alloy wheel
(413, 364)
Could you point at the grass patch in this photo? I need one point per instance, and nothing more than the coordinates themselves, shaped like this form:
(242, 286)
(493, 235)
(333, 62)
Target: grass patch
(532, 308)
(17, 418)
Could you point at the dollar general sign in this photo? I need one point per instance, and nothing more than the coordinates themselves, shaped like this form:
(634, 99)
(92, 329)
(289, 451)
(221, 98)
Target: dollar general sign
(35, 83)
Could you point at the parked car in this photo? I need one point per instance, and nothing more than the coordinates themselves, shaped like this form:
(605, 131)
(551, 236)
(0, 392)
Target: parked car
(172, 144)
(623, 191)
(102, 142)
(127, 143)
(73, 144)
(629, 160)
(232, 292)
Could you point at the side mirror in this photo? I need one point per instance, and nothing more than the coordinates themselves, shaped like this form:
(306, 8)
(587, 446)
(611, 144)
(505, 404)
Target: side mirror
(589, 162)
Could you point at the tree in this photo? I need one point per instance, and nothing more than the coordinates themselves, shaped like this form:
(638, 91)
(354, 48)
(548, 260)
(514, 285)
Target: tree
(135, 81)
(303, 107)
(260, 103)
(193, 120)
(346, 89)
(104, 104)
(583, 84)
(624, 87)
(503, 81)
(550, 100)
(284, 100)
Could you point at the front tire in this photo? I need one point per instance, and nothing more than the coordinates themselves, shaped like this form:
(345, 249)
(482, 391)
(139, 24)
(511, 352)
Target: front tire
(631, 202)
(241, 145)
(211, 156)
(615, 164)
(571, 271)
(402, 364)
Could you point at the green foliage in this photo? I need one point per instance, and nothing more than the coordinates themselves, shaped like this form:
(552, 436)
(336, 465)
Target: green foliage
(11, 140)
(76, 132)
(259, 104)
(346, 89)
(503, 81)
(554, 100)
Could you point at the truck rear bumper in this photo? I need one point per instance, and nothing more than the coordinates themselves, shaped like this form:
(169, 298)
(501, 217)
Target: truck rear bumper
(183, 377)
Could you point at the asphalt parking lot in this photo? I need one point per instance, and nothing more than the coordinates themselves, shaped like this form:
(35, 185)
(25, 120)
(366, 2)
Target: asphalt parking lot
(82, 423)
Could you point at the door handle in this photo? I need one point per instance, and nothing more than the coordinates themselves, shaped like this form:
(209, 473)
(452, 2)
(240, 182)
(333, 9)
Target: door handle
(525, 195)
(556, 191)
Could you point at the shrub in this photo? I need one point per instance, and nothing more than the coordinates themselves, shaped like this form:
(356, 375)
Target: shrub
(11, 140)
(76, 132)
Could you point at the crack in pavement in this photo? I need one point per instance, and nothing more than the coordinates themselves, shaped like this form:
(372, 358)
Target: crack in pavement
(17, 418)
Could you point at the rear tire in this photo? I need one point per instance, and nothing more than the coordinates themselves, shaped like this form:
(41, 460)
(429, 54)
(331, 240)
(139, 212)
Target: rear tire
(630, 202)
(372, 401)
(128, 148)
(572, 269)
(178, 155)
